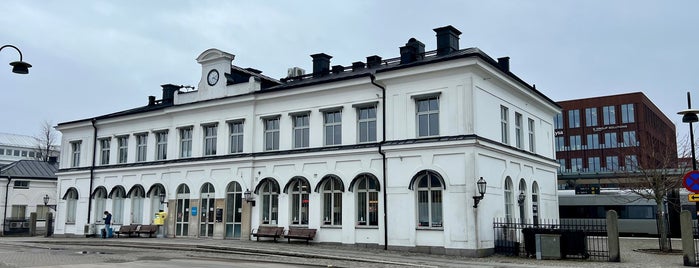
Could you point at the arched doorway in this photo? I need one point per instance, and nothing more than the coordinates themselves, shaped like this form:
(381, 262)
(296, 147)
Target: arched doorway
(234, 199)
(206, 223)
(182, 210)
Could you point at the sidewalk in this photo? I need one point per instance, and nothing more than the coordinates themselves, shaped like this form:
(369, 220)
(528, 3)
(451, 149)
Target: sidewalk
(630, 256)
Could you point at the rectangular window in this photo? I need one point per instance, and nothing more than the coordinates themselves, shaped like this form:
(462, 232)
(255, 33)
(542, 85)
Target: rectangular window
(123, 143)
(19, 211)
(301, 130)
(518, 130)
(576, 164)
(504, 120)
(532, 137)
(16, 152)
(574, 118)
(104, 150)
(593, 164)
(630, 163)
(558, 121)
(21, 184)
(141, 147)
(2, 151)
(333, 128)
(75, 153)
(24, 153)
(561, 165)
(627, 113)
(612, 162)
(271, 134)
(367, 124)
(629, 138)
(41, 212)
(575, 143)
(31, 154)
(610, 140)
(560, 144)
(161, 145)
(592, 141)
(609, 115)
(236, 138)
(427, 117)
(185, 142)
(591, 117)
(210, 139)
(8, 152)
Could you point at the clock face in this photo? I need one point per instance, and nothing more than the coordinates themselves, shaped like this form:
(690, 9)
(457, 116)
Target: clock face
(212, 78)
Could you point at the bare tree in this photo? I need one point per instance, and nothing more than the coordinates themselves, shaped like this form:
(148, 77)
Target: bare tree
(652, 171)
(46, 141)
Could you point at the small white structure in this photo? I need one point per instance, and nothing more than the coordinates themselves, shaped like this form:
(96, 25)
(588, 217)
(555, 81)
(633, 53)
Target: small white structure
(23, 186)
(382, 153)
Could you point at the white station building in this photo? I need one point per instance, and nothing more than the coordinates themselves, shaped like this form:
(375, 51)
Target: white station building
(382, 153)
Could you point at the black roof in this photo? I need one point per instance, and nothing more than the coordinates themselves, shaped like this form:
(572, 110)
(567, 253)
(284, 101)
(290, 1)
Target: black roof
(271, 85)
(29, 169)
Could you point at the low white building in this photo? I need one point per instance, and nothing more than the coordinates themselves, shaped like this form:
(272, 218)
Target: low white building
(24, 185)
(382, 153)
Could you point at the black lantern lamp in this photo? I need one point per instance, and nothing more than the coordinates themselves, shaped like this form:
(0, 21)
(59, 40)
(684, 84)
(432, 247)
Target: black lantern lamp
(521, 197)
(46, 202)
(162, 198)
(482, 185)
(18, 67)
(248, 197)
(690, 116)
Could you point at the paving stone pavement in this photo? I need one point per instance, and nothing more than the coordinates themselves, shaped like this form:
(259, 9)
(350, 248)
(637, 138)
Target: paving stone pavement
(364, 257)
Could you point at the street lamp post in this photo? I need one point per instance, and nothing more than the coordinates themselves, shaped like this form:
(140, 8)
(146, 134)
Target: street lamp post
(18, 67)
(690, 116)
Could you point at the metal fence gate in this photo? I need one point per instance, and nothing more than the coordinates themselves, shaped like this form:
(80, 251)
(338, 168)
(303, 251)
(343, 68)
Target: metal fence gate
(579, 238)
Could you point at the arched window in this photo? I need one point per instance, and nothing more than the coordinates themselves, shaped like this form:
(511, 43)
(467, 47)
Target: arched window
(154, 194)
(522, 201)
(100, 200)
(332, 201)
(509, 204)
(206, 205)
(117, 196)
(234, 204)
(182, 211)
(367, 200)
(137, 194)
(299, 190)
(71, 198)
(269, 192)
(429, 187)
(535, 203)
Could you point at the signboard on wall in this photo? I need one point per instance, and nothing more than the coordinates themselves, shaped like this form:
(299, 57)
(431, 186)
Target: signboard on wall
(194, 211)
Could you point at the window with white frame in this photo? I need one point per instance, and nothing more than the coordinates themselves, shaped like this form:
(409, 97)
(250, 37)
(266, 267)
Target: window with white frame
(271, 134)
(299, 191)
(593, 141)
(41, 212)
(141, 147)
(576, 164)
(504, 128)
(427, 116)
(429, 200)
(210, 134)
(332, 127)
(591, 117)
(518, 131)
(509, 200)
(612, 162)
(301, 131)
(137, 196)
(609, 115)
(118, 196)
(21, 185)
(627, 113)
(19, 212)
(560, 144)
(366, 124)
(561, 165)
(629, 138)
(75, 153)
(186, 142)
(367, 201)
(332, 202)
(104, 150)
(236, 136)
(123, 149)
(161, 145)
(573, 118)
(71, 204)
(610, 140)
(593, 164)
(575, 142)
(532, 137)
(535, 203)
(269, 193)
(99, 199)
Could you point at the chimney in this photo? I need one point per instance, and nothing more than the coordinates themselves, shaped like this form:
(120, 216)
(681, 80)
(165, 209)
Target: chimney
(169, 93)
(504, 63)
(412, 51)
(447, 40)
(53, 160)
(358, 65)
(321, 64)
(151, 100)
(338, 69)
(373, 61)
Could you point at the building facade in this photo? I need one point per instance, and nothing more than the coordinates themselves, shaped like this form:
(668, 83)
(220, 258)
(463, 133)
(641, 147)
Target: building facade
(23, 186)
(381, 153)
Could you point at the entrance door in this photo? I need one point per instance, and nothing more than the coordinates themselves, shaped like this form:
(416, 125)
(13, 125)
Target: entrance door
(206, 223)
(234, 199)
(182, 210)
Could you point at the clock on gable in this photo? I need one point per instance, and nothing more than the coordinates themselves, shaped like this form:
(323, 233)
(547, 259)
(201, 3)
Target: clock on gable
(212, 77)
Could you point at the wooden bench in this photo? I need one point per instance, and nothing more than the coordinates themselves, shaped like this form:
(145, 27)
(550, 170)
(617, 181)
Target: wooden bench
(127, 230)
(268, 231)
(300, 233)
(150, 230)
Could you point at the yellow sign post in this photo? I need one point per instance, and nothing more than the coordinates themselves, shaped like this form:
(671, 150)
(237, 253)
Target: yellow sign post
(693, 197)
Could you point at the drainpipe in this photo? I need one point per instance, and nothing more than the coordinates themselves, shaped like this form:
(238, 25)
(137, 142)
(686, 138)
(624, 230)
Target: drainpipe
(7, 192)
(383, 156)
(92, 169)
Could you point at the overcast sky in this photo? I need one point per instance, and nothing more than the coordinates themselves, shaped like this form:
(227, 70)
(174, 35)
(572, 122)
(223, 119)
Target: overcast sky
(96, 57)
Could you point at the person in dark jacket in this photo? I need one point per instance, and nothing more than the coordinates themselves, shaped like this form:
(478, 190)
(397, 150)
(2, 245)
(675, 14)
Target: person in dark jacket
(107, 224)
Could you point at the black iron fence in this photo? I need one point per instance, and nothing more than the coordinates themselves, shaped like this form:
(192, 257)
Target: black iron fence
(579, 238)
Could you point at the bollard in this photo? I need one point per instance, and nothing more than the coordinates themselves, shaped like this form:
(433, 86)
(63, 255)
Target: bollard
(613, 236)
(690, 259)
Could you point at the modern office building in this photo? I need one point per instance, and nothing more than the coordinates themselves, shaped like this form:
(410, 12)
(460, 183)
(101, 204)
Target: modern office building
(384, 153)
(14, 147)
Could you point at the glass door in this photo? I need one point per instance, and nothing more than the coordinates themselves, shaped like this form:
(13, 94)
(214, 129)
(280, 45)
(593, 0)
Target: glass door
(206, 223)
(234, 209)
(182, 210)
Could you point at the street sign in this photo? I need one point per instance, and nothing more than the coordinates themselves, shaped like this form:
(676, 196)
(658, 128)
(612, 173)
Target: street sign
(691, 181)
(693, 197)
